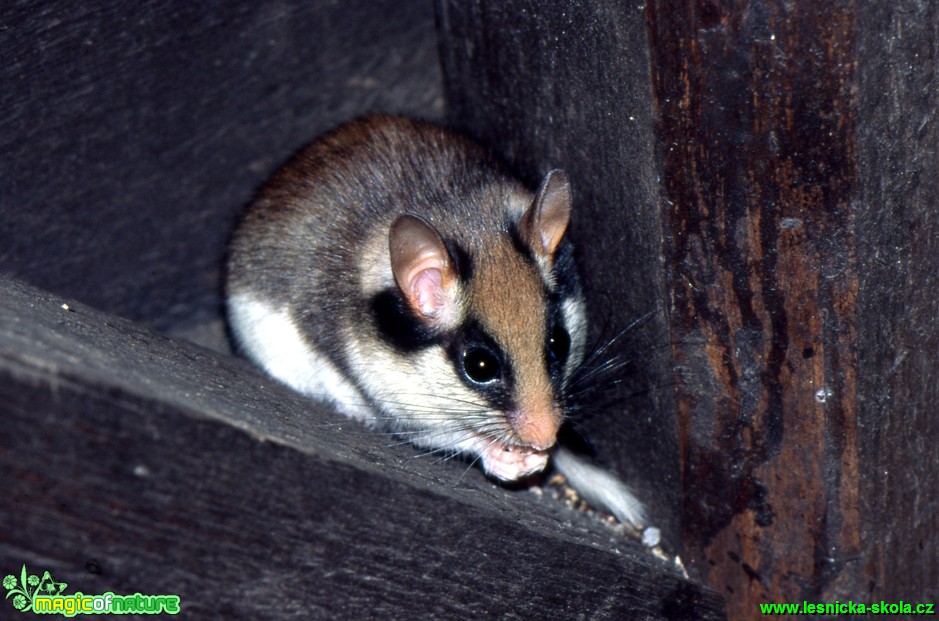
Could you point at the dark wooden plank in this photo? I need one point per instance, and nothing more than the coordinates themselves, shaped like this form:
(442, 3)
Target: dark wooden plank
(757, 129)
(566, 84)
(801, 258)
(137, 463)
(898, 309)
(134, 132)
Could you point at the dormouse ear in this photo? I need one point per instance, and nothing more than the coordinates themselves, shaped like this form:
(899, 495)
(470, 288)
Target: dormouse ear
(424, 271)
(544, 224)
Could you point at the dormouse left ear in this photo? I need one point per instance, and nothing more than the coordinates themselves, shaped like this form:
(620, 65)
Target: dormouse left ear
(424, 271)
(544, 224)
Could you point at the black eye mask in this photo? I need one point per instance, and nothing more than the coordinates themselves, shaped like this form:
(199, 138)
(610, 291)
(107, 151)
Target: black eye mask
(482, 365)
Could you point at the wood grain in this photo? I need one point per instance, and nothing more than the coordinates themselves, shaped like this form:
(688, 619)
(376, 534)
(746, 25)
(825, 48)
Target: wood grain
(898, 309)
(757, 127)
(797, 255)
(135, 133)
(134, 462)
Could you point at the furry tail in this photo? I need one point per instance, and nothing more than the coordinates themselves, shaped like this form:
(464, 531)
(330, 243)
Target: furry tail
(600, 489)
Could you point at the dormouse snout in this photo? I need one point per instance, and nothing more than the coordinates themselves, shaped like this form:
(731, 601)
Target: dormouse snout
(537, 427)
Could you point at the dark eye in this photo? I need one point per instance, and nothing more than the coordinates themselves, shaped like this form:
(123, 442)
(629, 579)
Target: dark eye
(480, 365)
(559, 344)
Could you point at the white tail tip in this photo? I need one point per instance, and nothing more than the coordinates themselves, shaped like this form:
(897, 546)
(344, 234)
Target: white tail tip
(600, 489)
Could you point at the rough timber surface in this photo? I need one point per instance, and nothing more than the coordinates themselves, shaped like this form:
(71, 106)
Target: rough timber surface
(898, 310)
(763, 273)
(134, 462)
(799, 162)
(134, 132)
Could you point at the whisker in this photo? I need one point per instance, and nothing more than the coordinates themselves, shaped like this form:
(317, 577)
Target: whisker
(606, 367)
(599, 351)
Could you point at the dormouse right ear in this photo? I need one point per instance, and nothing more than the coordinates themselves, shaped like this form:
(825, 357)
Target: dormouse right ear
(424, 271)
(544, 224)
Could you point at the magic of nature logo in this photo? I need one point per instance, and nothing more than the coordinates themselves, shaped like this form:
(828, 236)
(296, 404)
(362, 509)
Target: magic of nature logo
(44, 595)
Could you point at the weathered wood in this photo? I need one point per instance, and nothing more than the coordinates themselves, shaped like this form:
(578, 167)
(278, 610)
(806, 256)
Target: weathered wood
(757, 129)
(797, 276)
(134, 132)
(138, 463)
(896, 215)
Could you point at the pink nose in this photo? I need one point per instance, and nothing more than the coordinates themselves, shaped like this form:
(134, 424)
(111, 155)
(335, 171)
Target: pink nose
(538, 428)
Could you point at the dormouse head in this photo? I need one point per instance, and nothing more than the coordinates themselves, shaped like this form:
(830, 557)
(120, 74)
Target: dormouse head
(508, 311)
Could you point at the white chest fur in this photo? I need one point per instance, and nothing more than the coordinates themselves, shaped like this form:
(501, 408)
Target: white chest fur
(269, 336)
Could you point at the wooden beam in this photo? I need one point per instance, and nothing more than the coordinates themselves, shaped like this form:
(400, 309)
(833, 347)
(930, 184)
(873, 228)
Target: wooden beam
(786, 134)
(134, 135)
(134, 462)
(897, 231)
